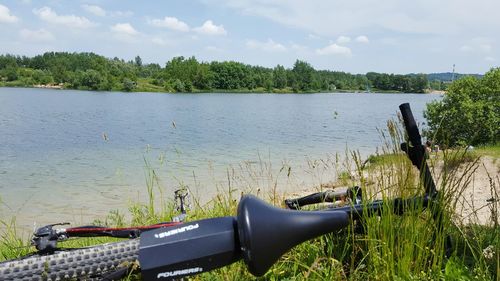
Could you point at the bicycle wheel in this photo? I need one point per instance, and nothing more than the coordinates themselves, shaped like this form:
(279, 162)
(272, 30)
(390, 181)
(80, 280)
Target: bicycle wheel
(73, 264)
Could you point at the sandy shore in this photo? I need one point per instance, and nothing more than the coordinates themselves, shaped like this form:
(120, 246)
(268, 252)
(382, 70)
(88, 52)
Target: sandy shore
(477, 193)
(437, 92)
(482, 192)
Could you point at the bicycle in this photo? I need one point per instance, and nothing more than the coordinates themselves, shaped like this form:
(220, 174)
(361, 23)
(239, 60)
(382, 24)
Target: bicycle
(259, 234)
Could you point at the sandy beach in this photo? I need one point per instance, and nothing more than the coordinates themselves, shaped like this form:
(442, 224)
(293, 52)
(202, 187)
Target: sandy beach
(482, 193)
(477, 192)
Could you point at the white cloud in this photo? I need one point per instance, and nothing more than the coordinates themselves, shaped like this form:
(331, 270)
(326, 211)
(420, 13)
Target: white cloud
(94, 9)
(121, 13)
(298, 47)
(490, 59)
(328, 18)
(362, 39)
(466, 48)
(485, 48)
(212, 49)
(313, 36)
(343, 39)
(48, 15)
(334, 49)
(160, 41)
(477, 45)
(100, 12)
(6, 16)
(209, 28)
(124, 28)
(40, 35)
(170, 23)
(268, 46)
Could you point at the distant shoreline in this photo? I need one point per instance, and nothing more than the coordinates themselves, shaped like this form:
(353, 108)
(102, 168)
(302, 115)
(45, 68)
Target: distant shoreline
(219, 91)
(436, 92)
(49, 86)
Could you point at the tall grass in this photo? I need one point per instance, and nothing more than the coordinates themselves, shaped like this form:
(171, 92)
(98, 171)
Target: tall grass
(408, 246)
(414, 245)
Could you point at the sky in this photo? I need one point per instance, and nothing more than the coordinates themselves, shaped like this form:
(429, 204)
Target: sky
(356, 36)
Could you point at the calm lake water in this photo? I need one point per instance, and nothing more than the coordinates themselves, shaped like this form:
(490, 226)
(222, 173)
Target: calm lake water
(74, 155)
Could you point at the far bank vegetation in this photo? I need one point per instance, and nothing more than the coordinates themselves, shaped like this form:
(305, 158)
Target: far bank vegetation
(89, 71)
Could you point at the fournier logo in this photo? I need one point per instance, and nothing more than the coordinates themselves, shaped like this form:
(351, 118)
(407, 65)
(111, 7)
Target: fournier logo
(176, 231)
(174, 273)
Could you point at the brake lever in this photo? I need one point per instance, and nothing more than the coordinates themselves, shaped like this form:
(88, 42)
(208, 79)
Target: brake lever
(181, 198)
(45, 238)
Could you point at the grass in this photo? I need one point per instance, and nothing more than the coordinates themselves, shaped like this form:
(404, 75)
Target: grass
(380, 160)
(410, 246)
(144, 85)
(492, 150)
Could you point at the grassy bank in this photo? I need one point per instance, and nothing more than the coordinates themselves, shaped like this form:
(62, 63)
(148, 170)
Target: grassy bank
(145, 86)
(391, 247)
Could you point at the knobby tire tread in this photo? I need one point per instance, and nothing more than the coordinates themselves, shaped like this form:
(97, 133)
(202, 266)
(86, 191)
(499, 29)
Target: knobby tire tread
(75, 264)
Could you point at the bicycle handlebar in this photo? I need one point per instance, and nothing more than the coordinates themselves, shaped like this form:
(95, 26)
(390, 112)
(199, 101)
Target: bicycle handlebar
(260, 234)
(410, 124)
(416, 152)
(352, 194)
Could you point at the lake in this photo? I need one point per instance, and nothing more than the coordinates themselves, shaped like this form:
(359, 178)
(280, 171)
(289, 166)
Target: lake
(75, 155)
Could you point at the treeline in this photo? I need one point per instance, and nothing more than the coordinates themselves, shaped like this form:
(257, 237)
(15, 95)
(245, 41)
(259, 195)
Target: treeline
(94, 72)
(413, 83)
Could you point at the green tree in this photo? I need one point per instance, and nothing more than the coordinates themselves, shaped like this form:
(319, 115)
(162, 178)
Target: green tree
(420, 83)
(268, 83)
(91, 79)
(10, 73)
(279, 75)
(304, 74)
(204, 77)
(7, 60)
(42, 77)
(138, 61)
(469, 113)
(183, 69)
(229, 75)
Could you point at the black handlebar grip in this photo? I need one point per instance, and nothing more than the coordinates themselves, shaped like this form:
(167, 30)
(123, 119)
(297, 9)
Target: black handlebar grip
(410, 124)
(266, 232)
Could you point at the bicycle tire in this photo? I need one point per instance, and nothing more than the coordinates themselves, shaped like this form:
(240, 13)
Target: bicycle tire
(79, 264)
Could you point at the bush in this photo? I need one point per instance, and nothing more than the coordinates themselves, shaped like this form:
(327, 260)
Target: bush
(469, 113)
(10, 73)
(128, 85)
(179, 86)
(188, 86)
(91, 79)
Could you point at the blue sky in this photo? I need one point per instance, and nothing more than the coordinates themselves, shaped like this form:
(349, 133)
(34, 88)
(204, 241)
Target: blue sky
(356, 36)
